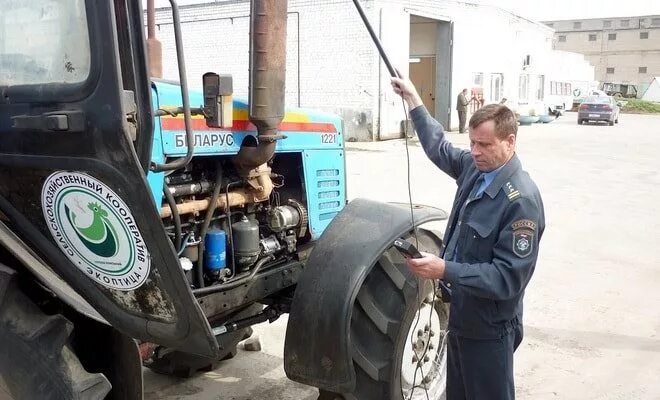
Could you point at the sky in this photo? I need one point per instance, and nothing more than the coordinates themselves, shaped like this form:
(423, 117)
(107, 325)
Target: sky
(543, 10)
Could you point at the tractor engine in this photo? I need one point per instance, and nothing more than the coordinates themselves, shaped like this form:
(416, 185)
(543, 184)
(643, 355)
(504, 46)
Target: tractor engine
(223, 225)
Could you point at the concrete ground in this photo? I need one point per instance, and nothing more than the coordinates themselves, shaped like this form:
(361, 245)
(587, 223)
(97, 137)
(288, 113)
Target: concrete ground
(592, 310)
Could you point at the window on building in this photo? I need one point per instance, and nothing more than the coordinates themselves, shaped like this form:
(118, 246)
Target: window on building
(554, 87)
(642, 70)
(562, 38)
(610, 70)
(607, 24)
(478, 78)
(655, 21)
(611, 36)
(540, 83)
(496, 87)
(592, 37)
(643, 35)
(577, 25)
(523, 88)
(625, 23)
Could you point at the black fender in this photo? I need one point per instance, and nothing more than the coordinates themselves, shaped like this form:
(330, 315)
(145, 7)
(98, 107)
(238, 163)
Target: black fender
(317, 348)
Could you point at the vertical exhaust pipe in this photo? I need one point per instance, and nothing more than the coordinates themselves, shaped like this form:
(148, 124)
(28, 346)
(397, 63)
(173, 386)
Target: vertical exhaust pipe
(154, 47)
(268, 21)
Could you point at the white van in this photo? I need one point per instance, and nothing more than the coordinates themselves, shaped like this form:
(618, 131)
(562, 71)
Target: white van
(559, 98)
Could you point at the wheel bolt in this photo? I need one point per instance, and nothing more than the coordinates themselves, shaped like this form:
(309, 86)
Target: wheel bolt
(414, 359)
(431, 346)
(419, 333)
(426, 359)
(431, 334)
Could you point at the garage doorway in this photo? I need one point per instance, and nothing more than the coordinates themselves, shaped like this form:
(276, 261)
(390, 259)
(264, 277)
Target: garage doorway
(422, 74)
(431, 63)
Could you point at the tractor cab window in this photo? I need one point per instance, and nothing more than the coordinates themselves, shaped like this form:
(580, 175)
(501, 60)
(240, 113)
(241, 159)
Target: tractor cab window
(56, 49)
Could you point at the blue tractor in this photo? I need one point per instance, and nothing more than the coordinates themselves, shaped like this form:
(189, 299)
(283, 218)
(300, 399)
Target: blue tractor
(145, 224)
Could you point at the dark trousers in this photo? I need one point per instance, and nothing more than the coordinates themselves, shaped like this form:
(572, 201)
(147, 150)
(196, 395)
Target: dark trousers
(481, 369)
(461, 121)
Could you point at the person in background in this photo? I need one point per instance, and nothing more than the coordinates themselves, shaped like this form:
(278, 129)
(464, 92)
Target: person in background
(462, 107)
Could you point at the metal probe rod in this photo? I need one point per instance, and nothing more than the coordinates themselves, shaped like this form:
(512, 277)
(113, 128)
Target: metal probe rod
(376, 40)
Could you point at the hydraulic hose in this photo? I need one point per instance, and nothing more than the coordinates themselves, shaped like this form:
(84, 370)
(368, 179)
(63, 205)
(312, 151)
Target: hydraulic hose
(205, 226)
(235, 283)
(175, 216)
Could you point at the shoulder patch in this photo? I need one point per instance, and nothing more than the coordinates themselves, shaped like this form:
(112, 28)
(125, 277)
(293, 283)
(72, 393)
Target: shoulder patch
(523, 242)
(511, 192)
(524, 223)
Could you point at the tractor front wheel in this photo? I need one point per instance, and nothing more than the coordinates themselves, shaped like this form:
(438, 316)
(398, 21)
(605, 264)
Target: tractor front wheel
(398, 332)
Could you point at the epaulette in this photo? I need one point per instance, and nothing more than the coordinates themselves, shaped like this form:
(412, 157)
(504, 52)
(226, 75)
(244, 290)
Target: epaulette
(511, 192)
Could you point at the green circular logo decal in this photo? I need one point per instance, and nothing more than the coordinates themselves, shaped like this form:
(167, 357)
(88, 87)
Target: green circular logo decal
(95, 229)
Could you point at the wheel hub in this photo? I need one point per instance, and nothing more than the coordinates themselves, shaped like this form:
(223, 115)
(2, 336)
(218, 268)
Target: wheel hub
(424, 363)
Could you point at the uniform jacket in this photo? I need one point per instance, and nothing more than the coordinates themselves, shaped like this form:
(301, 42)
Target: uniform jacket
(498, 242)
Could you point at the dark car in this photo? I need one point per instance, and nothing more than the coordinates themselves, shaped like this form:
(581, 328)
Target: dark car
(599, 108)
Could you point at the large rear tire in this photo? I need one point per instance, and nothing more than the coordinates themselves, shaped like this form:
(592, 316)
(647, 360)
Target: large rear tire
(36, 359)
(398, 333)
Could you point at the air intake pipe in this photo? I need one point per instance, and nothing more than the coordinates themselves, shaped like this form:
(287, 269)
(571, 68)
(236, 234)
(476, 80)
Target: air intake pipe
(268, 20)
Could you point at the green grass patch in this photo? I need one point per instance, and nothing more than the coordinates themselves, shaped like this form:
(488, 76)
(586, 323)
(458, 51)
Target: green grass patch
(635, 106)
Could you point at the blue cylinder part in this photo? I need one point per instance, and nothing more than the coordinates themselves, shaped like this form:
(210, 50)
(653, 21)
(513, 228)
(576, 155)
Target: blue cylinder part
(215, 249)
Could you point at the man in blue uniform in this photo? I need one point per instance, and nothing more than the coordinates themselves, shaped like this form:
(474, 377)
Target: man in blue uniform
(492, 243)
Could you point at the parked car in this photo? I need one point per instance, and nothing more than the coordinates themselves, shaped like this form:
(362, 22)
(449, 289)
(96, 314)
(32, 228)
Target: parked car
(619, 90)
(597, 92)
(599, 108)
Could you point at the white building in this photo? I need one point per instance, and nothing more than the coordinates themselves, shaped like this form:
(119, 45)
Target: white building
(333, 65)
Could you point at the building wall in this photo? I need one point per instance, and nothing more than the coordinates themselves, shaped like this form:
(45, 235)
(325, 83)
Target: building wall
(330, 65)
(628, 53)
(427, 33)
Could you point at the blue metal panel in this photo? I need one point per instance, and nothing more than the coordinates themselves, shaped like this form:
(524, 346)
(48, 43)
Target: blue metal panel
(217, 141)
(325, 185)
(299, 126)
(322, 150)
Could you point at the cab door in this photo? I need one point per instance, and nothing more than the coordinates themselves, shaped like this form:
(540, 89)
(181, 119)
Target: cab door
(75, 124)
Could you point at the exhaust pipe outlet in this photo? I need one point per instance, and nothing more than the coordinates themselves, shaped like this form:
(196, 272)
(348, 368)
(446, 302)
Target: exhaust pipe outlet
(268, 20)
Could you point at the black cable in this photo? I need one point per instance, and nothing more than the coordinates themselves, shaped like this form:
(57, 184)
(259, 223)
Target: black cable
(395, 73)
(419, 301)
(419, 281)
(207, 221)
(405, 133)
(175, 216)
(231, 233)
